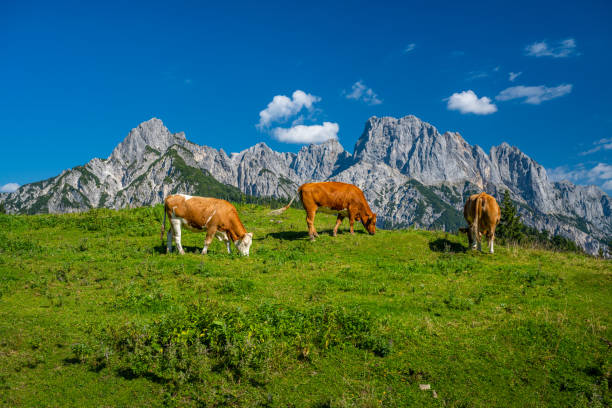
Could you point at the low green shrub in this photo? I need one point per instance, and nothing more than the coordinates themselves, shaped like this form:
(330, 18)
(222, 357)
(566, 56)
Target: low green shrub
(16, 244)
(184, 346)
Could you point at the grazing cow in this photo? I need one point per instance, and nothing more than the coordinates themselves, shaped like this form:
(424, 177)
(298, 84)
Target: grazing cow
(217, 217)
(482, 214)
(344, 199)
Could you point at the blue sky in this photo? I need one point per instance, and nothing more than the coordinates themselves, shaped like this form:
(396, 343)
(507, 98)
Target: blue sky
(76, 78)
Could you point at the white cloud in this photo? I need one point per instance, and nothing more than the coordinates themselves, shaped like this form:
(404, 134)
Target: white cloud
(281, 108)
(513, 75)
(565, 173)
(602, 144)
(468, 102)
(477, 74)
(534, 94)
(361, 92)
(409, 48)
(601, 171)
(301, 134)
(9, 188)
(562, 49)
(600, 174)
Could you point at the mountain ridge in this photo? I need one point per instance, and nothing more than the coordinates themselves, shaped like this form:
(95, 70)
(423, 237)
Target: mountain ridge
(411, 173)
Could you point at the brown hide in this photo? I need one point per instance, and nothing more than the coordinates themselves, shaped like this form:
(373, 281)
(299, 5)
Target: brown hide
(482, 214)
(338, 197)
(204, 212)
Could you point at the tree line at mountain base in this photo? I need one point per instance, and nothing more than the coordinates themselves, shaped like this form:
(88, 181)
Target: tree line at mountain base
(512, 231)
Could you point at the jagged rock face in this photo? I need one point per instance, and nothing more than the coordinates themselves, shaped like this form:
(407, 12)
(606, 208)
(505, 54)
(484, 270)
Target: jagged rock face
(409, 172)
(260, 171)
(419, 151)
(586, 202)
(151, 133)
(526, 177)
(215, 161)
(319, 162)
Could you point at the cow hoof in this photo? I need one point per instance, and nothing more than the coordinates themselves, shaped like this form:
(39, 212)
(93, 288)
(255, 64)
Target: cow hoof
(182, 252)
(312, 238)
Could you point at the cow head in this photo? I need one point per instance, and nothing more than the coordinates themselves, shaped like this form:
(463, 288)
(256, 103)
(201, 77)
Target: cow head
(244, 244)
(370, 224)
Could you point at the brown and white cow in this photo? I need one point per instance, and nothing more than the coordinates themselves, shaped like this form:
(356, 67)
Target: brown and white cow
(203, 214)
(482, 214)
(345, 199)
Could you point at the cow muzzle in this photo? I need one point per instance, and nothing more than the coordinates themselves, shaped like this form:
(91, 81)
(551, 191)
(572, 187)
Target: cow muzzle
(244, 244)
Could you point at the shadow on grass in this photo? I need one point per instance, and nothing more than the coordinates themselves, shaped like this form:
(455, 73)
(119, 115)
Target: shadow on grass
(444, 245)
(323, 404)
(293, 235)
(129, 374)
(161, 249)
(289, 235)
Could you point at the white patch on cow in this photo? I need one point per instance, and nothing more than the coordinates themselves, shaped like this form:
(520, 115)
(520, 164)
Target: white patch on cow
(222, 236)
(176, 231)
(244, 244)
(209, 218)
(185, 196)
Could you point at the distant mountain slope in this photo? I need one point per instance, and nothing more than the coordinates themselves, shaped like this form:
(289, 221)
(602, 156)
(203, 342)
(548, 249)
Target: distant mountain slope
(410, 173)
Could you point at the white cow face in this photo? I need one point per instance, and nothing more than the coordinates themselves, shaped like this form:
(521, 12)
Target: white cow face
(244, 244)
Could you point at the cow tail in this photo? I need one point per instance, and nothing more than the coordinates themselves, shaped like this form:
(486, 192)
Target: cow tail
(283, 209)
(480, 206)
(163, 226)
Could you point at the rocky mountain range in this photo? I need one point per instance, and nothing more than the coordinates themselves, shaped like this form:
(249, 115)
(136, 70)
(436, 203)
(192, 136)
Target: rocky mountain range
(411, 174)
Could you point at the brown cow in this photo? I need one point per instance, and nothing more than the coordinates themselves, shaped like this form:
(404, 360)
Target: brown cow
(217, 217)
(482, 214)
(344, 199)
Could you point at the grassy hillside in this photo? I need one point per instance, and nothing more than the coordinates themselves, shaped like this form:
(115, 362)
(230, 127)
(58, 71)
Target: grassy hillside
(93, 313)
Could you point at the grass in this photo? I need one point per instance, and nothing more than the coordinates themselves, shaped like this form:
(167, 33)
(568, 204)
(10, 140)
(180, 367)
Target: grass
(93, 313)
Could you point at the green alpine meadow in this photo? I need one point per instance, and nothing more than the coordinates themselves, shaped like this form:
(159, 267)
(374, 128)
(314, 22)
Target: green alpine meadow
(94, 313)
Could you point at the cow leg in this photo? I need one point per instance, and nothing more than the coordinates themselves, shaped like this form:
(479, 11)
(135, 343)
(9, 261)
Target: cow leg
(351, 221)
(229, 248)
(473, 237)
(310, 217)
(491, 239)
(169, 241)
(176, 231)
(210, 235)
(469, 235)
(338, 222)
